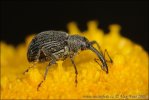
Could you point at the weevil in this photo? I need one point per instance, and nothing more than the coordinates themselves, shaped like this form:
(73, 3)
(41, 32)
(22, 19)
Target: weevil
(53, 46)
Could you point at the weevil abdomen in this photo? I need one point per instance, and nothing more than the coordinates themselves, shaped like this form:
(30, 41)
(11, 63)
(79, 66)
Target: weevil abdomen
(45, 45)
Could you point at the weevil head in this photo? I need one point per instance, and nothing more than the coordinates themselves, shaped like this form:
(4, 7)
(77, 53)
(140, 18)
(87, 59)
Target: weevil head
(77, 42)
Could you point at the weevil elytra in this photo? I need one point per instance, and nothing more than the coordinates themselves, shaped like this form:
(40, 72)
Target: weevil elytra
(57, 45)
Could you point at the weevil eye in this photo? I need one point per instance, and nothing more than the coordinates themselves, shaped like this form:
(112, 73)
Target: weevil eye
(86, 43)
(83, 47)
(66, 42)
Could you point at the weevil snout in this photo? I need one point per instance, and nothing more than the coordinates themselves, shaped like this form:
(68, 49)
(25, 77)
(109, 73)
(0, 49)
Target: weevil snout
(104, 66)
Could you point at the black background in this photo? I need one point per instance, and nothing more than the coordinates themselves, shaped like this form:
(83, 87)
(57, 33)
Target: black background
(19, 19)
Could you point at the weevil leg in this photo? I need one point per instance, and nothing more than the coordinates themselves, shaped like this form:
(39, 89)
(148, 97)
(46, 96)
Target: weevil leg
(97, 62)
(32, 65)
(111, 61)
(46, 72)
(76, 72)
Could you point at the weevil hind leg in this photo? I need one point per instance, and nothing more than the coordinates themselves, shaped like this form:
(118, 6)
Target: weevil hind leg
(35, 61)
(46, 72)
(97, 63)
(76, 72)
(110, 59)
(32, 66)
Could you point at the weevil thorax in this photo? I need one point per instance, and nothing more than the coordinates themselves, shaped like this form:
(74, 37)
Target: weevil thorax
(77, 43)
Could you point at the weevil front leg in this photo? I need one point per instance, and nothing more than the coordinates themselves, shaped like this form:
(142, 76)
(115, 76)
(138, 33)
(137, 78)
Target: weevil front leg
(76, 72)
(46, 72)
(111, 61)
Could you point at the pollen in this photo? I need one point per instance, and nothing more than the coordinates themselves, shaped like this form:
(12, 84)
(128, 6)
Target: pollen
(127, 77)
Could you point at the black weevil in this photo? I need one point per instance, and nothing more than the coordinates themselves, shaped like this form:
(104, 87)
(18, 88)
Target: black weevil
(57, 45)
